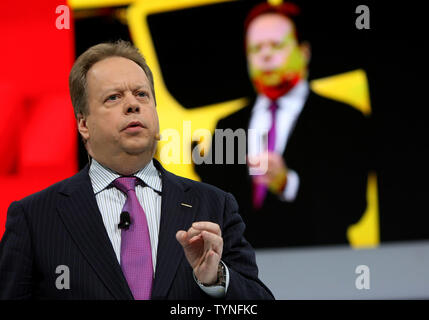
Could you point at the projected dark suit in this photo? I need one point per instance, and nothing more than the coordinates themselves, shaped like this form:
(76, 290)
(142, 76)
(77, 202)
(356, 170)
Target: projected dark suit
(327, 148)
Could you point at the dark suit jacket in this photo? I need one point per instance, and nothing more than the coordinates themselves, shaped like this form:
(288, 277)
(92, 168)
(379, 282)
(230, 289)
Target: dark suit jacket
(328, 150)
(62, 225)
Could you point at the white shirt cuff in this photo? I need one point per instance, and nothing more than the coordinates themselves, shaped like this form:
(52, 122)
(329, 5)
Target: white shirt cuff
(291, 190)
(215, 291)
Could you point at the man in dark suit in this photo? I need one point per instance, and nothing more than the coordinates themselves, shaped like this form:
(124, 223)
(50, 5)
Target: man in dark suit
(116, 230)
(313, 148)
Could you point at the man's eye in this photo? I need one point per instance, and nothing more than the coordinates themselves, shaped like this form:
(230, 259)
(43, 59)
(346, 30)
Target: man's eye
(142, 94)
(254, 48)
(278, 45)
(113, 97)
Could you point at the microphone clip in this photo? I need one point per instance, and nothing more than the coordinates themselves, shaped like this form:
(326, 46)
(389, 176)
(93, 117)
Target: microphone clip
(125, 221)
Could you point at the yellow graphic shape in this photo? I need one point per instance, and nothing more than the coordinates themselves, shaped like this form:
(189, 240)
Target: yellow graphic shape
(90, 4)
(352, 88)
(349, 87)
(275, 2)
(365, 233)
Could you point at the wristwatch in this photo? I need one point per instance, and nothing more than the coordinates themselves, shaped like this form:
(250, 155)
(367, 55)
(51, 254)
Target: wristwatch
(221, 275)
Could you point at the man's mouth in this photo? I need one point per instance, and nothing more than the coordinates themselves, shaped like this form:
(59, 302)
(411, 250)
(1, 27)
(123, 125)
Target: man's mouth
(268, 72)
(134, 125)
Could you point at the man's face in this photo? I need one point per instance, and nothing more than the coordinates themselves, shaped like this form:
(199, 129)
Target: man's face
(122, 117)
(274, 57)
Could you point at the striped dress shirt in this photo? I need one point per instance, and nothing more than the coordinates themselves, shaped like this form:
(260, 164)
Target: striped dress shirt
(111, 200)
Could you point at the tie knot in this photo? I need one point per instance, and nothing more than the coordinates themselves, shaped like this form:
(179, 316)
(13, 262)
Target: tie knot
(273, 106)
(125, 184)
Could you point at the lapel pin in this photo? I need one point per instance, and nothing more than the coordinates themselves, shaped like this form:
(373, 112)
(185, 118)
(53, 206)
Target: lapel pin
(186, 205)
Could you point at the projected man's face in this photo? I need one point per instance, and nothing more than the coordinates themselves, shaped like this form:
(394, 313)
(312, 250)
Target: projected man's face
(275, 60)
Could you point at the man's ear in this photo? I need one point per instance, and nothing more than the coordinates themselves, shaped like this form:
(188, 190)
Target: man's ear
(306, 51)
(82, 127)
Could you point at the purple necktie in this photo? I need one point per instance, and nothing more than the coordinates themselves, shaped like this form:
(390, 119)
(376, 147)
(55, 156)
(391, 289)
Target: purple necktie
(136, 253)
(260, 190)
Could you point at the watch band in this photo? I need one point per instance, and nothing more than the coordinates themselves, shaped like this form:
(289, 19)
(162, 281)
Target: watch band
(221, 275)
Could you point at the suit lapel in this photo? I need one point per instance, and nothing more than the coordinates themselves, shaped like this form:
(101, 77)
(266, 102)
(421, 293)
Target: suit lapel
(174, 217)
(81, 217)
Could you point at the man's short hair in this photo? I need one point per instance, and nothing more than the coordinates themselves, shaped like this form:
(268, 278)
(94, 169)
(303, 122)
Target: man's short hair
(77, 77)
(286, 9)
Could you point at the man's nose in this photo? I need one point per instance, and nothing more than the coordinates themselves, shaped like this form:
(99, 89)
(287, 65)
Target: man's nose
(266, 52)
(131, 105)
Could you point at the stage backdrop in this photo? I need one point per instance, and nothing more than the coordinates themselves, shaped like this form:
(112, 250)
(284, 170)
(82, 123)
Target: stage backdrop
(195, 49)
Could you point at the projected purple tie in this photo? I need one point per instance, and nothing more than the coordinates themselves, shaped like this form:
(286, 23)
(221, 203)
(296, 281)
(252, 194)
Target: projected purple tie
(260, 190)
(136, 253)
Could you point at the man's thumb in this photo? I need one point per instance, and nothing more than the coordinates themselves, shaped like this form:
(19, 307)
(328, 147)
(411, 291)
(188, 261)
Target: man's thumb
(181, 237)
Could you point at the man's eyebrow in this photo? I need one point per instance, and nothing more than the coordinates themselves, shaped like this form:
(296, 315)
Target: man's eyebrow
(120, 89)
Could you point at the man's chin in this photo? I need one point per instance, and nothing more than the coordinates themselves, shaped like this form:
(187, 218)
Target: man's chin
(138, 149)
(270, 80)
(275, 91)
(135, 151)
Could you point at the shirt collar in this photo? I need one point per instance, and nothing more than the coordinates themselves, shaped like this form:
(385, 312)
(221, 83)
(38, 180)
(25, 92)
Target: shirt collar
(294, 98)
(101, 176)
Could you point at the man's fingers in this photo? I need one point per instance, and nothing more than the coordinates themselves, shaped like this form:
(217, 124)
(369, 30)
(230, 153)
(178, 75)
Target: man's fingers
(201, 238)
(252, 161)
(182, 237)
(213, 258)
(189, 237)
(212, 241)
(195, 238)
(207, 226)
(192, 232)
